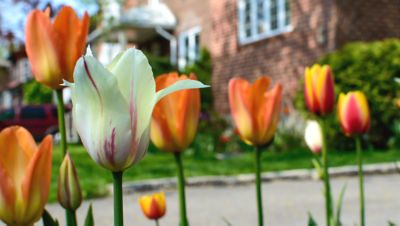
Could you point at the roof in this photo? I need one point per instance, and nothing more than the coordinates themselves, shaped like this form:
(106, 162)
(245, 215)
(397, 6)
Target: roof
(142, 17)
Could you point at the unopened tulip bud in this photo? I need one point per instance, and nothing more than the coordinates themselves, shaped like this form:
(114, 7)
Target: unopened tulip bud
(53, 47)
(69, 190)
(153, 206)
(354, 115)
(175, 117)
(255, 109)
(319, 91)
(313, 136)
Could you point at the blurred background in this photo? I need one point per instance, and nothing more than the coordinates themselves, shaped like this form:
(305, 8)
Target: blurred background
(218, 40)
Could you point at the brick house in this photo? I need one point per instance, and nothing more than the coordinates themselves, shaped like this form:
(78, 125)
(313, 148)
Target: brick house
(278, 38)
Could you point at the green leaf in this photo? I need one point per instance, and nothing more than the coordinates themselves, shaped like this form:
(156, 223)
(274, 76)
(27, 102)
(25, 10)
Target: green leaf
(89, 216)
(391, 223)
(311, 221)
(226, 222)
(318, 167)
(48, 219)
(339, 205)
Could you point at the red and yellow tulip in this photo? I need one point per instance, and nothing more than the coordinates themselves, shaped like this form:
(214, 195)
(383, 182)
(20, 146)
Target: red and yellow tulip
(254, 109)
(54, 47)
(175, 117)
(319, 91)
(354, 115)
(25, 172)
(69, 190)
(153, 206)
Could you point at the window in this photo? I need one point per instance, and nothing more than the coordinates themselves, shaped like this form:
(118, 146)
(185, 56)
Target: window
(189, 47)
(260, 19)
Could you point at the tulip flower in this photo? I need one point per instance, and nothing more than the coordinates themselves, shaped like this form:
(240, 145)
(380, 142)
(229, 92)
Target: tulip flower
(255, 110)
(313, 136)
(319, 91)
(54, 47)
(175, 117)
(25, 172)
(174, 123)
(153, 206)
(112, 110)
(353, 113)
(69, 190)
(112, 107)
(354, 117)
(319, 95)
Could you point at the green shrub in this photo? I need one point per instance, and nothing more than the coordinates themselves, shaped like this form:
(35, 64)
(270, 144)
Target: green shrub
(372, 69)
(160, 64)
(36, 93)
(202, 69)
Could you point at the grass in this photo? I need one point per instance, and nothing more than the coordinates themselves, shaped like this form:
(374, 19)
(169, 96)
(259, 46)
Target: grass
(157, 164)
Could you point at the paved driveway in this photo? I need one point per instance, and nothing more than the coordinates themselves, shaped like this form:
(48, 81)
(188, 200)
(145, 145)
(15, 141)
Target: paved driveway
(285, 203)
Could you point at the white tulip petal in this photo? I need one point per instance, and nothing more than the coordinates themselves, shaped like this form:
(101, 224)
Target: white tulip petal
(143, 145)
(114, 62)
(89, 51)
(313, 136)
(101, 114)
(137, 85)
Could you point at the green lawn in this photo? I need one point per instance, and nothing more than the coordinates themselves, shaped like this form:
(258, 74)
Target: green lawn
(157, 164)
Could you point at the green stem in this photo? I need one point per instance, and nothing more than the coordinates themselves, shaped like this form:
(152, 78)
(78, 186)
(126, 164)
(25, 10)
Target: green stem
(61, 128)
(328, 197)
(157, 224)
(61, 120)
(181, 188)
(71, 217)
(360, 178)
(118, 204)
(257, 155)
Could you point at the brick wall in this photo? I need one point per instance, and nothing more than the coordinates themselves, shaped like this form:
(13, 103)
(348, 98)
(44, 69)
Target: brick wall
(361, 20)
(190, 14)
(282, 57)
(319, 27)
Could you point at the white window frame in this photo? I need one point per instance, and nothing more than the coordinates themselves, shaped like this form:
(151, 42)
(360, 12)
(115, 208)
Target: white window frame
(191, 35)
(255, 36)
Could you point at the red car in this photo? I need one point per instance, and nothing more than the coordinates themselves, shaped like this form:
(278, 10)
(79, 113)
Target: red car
(40, 120)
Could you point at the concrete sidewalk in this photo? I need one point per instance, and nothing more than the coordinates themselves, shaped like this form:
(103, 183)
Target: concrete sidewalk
(243, 179)
(286, 203)
(288, 196)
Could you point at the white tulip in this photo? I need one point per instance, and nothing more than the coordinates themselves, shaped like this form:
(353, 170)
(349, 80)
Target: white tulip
(112, 107)
(313, 136)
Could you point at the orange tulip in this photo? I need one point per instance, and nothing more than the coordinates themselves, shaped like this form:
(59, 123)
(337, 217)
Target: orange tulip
(54, 47)
(255, 111)
(175, 117)
(354, 115)
(25, 172)
(153, 206)
(319, 91)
